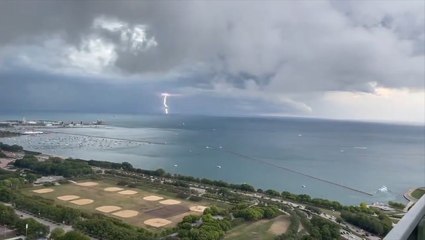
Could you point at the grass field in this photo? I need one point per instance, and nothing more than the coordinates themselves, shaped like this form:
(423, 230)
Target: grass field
(418, 193)
(259, 230)
(146, 209)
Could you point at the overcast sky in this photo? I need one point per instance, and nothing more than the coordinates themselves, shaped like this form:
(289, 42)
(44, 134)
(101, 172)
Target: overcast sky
(328, 59)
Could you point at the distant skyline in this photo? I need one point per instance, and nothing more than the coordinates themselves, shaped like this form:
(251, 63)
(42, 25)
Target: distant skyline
(354, 60)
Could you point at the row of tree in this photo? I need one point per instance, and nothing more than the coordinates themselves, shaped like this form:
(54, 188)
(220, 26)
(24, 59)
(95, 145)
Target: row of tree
(9, 218)
(254, 213)
(11, 148)
(102, 227)
(59, 234)
(8, 134)
(379, 225)
(54, 166)
(35, 229)
(318, 202)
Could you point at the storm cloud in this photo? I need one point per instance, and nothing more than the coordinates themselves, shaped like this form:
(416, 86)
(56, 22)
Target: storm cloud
(254, 57)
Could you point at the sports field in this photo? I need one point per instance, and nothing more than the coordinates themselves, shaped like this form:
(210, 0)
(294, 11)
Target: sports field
(133, 205)
(260, 230)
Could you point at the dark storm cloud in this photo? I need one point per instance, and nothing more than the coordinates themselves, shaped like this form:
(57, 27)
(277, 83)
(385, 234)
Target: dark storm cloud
(32, 91)
(271, 51)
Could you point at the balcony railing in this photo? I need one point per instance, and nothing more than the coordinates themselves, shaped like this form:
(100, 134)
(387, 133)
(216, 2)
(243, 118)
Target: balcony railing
(412, 225)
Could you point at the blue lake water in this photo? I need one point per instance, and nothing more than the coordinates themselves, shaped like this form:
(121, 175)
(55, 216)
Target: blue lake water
(363, 156)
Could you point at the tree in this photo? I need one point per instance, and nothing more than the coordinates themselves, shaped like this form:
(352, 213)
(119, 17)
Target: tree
(31, 177)
(35, 229)
(159, 172)
(74, 235)
(57, 233)
(7, 216)
(246, 187)
(127, 166)
(396, 205)
(272, 193)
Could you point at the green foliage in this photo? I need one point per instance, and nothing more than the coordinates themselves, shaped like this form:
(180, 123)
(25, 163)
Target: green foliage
(105, 228)
(31, 177)
(255, 212)
(8, 134)
(244, 187)
(40, 206)
(57, 233)
(6, 194)
(272, 193)
(315, 210)
(7, 216)
(73, 235)
(320, 228)
(122, 183)
(105, 164)
(190, 219)
(12, 182)
(215, 211)
(292, 231)
(317, 202)
(195, 198)
(380, 225)
(2, 155)
(396, 205)
(55, 166)
(180, 183)
(11, 148)
(35, 230)
(4, 174)
(210, 229)
(127, 166)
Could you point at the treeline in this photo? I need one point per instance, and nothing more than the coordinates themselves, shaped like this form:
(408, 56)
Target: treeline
(320, 228)
(42, 207)
(396, 205)
(202, 227)
(11, 148)
(125, 166)
(162, 173)
(8, 134)
(255, 212)
(54, 166)
(4, 174)
(379, 225)
(318, 202)
(9, 218)
(102, 227)
(59, 234)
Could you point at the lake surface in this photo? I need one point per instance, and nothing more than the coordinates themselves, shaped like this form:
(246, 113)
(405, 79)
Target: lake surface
(274, 153)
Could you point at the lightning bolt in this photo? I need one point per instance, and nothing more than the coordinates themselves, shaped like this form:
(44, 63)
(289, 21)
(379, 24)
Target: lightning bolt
(164, 102)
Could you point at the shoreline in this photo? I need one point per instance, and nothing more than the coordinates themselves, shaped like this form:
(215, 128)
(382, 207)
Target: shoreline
(412, 200)
(368, 196)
